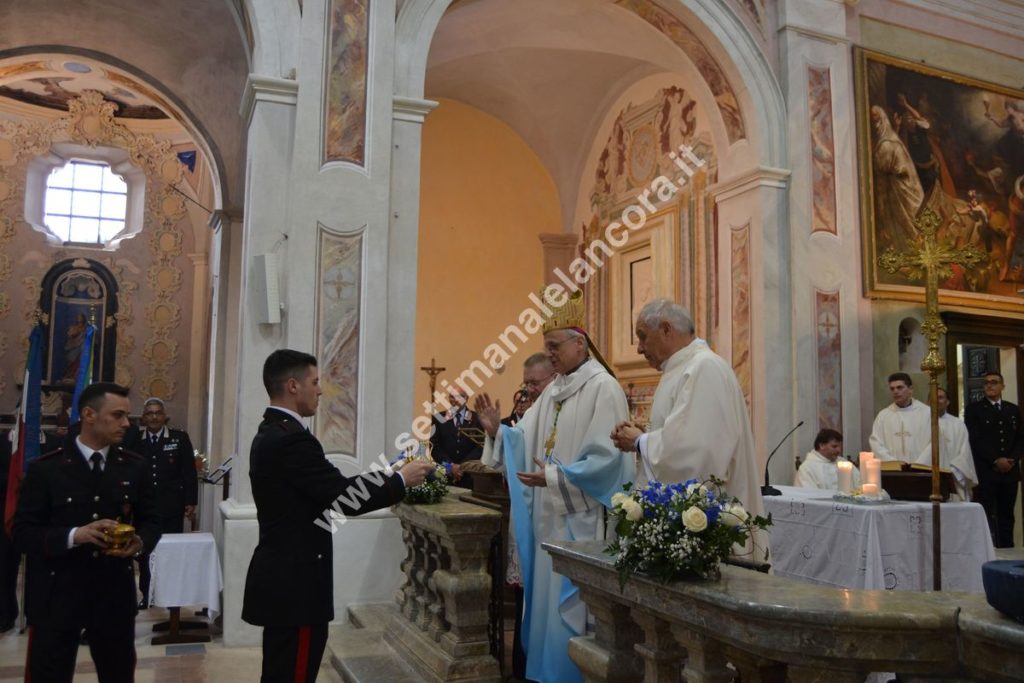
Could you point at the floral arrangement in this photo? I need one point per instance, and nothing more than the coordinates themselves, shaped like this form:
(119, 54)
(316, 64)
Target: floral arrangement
(434, 488)
(672, 531)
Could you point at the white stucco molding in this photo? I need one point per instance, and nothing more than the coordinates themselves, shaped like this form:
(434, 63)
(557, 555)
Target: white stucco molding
(768, 106)
(759, 177)
(412, 109)
(267, 89)
(232, 509)
(276, 33)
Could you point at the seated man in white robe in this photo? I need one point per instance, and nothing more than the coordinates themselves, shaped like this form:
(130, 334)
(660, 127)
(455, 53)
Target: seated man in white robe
(820, 468)
(562, 471)
(902, 430)
(954, 450)
(699, 425)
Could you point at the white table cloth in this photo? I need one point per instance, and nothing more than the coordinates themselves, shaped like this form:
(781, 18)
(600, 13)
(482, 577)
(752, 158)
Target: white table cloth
(186, 571)
(847, 545)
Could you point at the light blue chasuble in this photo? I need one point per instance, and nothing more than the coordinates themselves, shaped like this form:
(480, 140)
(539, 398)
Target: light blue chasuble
(583, 470)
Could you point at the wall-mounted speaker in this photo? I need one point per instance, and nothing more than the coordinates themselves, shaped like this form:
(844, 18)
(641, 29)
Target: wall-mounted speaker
(266, 289)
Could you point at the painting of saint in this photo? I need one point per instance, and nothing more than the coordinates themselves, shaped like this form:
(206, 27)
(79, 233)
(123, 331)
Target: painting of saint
(933, 140)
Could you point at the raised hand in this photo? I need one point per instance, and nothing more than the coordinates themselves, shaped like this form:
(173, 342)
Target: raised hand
(488, 413)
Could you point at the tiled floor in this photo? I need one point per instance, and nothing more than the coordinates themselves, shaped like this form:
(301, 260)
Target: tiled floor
(205, 663)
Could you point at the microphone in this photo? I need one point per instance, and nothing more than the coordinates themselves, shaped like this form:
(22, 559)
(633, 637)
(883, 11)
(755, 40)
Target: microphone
(768, 489)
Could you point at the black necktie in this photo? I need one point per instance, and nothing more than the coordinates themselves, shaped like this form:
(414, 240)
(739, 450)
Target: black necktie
(152, 438)
(97, 463)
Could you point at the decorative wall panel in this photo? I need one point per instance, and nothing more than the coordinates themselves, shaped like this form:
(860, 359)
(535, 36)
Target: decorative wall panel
(823, 163)
(345, 89)
(829, 360)
(339, 285)
(676, 31)
(740, 258)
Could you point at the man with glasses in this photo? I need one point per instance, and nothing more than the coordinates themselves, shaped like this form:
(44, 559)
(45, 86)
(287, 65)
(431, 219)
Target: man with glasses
(562, 470)
(171, 463)
(997, 443)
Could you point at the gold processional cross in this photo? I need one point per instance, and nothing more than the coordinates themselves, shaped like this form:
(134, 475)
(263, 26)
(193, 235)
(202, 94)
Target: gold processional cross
(933, 260)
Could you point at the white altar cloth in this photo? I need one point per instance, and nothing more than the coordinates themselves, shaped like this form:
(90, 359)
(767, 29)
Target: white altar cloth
(186, 572)
(847, 545)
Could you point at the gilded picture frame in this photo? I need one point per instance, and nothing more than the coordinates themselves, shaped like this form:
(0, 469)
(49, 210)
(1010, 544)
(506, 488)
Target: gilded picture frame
(931, 138)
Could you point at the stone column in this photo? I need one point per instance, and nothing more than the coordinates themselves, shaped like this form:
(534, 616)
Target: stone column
(198, 358)
(705, 662)
(559, 251)
(269, 109)
(609, 656)
(662, 655)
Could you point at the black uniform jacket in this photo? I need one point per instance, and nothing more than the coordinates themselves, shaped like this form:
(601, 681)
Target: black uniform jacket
(450, 444)
(290, 580)
(172, 466)
(66, 586)
(994, 433)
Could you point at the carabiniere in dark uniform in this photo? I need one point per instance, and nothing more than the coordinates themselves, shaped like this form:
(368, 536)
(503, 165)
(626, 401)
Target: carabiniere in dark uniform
(996, 432)
(80, 587)
(171, 461)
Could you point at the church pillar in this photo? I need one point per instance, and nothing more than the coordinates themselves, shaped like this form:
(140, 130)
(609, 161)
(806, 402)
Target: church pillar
(198, 345)
(403, 235)
(269, 108)
(816, 64)
(559, 251)
(754, 300)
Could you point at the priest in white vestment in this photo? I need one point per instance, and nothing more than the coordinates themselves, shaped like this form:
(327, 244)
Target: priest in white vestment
(902, 430)
(562, 470)
(699, 425)
(820, 468)
(954, 450)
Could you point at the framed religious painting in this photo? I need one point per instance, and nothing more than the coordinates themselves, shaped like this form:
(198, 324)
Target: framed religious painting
(640, 272)
(930, 139)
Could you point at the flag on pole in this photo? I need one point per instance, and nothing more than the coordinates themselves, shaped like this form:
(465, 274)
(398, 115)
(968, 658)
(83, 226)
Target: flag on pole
(84, 377)
(25, 436)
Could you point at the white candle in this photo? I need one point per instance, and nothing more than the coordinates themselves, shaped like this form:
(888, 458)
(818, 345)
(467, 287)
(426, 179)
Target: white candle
(872, 474)
(845, 477)
(869, 489)
(864, 457)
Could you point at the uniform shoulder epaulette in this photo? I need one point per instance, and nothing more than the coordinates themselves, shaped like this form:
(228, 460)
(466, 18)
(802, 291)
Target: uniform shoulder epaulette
(57, 451)
(128, 454)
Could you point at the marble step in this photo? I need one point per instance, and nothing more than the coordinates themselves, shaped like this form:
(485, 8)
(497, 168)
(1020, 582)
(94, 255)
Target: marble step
(360, 655)
(371, 615)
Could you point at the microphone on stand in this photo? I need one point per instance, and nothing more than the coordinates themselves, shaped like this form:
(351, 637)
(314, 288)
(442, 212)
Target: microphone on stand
(768, 489)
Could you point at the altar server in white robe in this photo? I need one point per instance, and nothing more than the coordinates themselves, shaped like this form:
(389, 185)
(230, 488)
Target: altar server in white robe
(820, 469)
(902, 430)
(562, 470)
(699, 425)
(954, 450)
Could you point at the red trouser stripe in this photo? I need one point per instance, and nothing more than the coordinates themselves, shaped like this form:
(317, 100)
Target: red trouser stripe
(302, 655)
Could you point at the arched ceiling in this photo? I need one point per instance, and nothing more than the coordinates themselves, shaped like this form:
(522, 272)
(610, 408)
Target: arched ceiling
(550, 70)
(191, 53)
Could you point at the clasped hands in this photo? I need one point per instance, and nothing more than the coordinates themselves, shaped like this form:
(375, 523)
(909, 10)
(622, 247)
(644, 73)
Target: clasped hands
(96, 534)
(625, 434)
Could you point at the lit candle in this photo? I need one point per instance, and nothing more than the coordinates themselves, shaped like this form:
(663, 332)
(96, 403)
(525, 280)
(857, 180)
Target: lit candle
(845, 477)
(869, 489)
(872, 473)
(864, 457)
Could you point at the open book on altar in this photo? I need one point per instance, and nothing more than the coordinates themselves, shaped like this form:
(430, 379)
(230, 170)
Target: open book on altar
(913, 481)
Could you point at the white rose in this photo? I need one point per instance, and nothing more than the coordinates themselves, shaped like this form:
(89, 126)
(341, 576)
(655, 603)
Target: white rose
(734, 515)
(633, 509)
(618, 499)
(694, 519)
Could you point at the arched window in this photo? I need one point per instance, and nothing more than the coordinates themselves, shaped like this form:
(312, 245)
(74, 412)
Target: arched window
(85, 196)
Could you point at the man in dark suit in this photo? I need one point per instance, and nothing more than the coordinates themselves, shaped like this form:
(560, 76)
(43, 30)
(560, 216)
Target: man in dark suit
(289, 590)
(172, 463)
(996, 435)
(69, 500)
(450, 440)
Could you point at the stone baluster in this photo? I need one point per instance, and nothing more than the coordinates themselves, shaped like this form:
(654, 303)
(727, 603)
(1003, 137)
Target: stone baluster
(663, 658)
(705, 661)
(609, 655)
(406, 592)
(446, 639)
(754, 669)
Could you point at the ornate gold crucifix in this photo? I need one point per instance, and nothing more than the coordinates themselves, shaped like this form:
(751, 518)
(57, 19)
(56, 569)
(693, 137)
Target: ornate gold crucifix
(934, 260)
